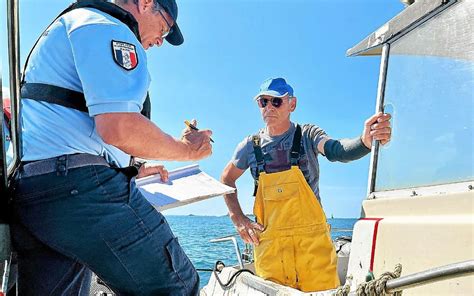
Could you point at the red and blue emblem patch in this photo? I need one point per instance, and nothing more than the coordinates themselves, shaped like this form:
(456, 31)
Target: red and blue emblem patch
(125, 55)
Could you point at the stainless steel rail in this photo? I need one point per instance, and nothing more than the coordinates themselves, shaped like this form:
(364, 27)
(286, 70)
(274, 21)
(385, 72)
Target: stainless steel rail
(436, 274)
(431, 275)
(236, 246)
(13, 29)
(342, 230)
(378, 108)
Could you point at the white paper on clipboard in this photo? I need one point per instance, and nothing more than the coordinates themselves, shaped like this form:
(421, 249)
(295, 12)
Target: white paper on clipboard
(185, 185)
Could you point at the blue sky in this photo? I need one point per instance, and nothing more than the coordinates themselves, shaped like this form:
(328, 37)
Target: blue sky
(230, 48)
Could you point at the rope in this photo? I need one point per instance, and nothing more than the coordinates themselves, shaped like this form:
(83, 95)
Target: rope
(376, 287)
(231, 281)
(343, 290)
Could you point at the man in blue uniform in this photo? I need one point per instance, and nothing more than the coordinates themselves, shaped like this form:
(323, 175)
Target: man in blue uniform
(75, 204)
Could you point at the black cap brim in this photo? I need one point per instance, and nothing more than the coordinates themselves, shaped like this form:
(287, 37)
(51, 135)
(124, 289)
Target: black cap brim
(175, 38)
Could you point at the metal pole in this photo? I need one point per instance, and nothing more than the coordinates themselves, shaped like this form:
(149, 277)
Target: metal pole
(14, 65)
(236, 246)
(237, 251)
(6, 274)
(437, 274)
(3, 156)
(432, 275)
(378, 108)
(341, 230)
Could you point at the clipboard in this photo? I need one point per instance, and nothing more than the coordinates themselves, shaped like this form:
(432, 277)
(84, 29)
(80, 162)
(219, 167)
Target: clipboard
(186, 185)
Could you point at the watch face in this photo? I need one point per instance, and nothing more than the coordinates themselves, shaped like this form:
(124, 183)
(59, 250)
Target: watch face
(138, 163)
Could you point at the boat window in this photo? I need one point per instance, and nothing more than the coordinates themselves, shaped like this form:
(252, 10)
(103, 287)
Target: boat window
(4, 84)
(429, 89)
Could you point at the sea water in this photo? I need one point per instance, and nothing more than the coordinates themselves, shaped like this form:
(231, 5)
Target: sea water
(195, 232)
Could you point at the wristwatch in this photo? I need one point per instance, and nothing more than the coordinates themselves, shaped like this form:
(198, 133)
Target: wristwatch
(137, 163)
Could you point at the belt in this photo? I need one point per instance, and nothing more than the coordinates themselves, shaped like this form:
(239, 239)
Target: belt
(60, 164)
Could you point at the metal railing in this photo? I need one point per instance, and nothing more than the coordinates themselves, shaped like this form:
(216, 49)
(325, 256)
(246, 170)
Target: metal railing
(236, 246)
(441, 273)
(428, 276)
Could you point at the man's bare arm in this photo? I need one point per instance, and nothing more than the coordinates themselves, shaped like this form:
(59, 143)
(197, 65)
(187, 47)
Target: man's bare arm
(246, 228)
(136, 135)
(229, 176)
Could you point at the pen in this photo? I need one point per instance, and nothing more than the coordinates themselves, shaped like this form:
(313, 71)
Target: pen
(194, 128)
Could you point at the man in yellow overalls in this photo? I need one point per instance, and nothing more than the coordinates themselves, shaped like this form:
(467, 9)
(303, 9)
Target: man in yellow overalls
(292, 242)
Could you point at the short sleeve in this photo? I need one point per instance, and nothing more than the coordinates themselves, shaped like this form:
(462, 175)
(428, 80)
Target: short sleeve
(112, 67)
(241, 155)
(315, 135)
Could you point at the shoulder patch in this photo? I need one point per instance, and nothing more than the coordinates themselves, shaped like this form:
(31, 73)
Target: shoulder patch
(124, 55)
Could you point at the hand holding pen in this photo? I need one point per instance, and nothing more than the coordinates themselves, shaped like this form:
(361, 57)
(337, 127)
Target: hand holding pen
(199, 141)
(193, 127)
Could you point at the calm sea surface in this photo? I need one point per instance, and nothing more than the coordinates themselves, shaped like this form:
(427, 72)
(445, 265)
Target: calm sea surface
(194, 233)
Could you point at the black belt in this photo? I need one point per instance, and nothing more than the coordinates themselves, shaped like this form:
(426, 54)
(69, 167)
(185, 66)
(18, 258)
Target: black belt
(60, 164)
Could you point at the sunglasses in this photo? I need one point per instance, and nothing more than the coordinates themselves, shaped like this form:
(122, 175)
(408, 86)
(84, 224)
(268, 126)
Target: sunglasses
(275, 101)
(170, 28)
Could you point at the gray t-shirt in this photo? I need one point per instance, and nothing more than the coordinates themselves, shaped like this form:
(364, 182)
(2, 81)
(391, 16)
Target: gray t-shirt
(276, 153)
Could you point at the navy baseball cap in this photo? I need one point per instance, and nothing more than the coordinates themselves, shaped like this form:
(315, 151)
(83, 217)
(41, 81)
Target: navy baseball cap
(275, 87)
(175, 37)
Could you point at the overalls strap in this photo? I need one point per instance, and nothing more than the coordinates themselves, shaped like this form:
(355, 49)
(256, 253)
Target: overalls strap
(296, 148)
(257, 150)
(258, 154)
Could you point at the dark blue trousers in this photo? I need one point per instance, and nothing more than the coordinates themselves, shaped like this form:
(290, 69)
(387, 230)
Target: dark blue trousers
(94, 218)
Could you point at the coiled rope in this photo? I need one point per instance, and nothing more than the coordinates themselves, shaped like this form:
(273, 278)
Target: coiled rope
(375, 287)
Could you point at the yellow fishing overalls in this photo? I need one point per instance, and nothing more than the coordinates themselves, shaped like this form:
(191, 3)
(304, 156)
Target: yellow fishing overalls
(295, 248)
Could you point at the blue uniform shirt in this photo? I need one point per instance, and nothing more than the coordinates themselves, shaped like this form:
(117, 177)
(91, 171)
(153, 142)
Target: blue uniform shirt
(84, 50)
